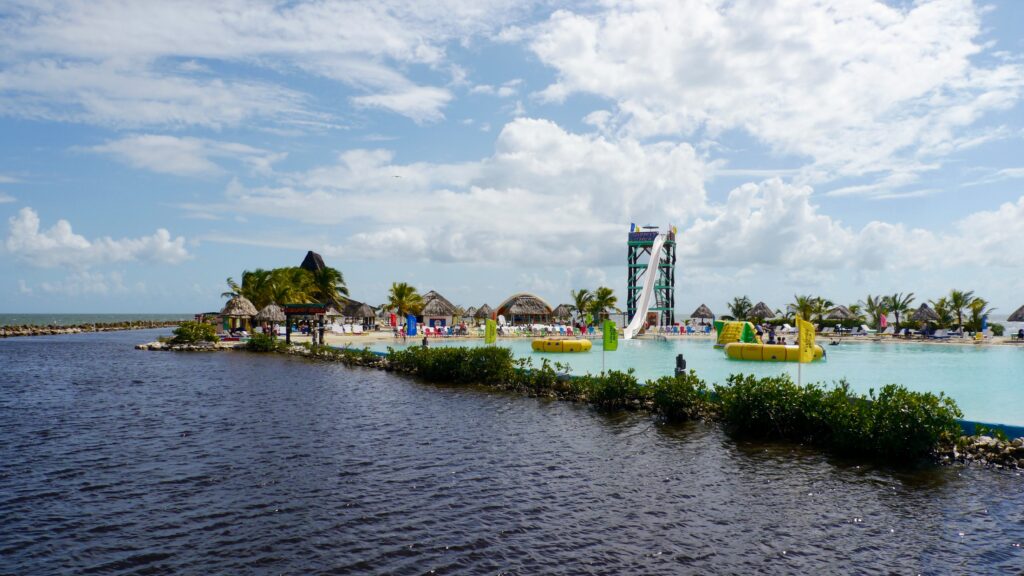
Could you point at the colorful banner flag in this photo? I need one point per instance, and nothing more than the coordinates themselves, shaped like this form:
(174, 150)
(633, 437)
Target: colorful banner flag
(410, 325)
(806, 330)
(611, 336)
(883, 321)
(589, 318)
(490, 332)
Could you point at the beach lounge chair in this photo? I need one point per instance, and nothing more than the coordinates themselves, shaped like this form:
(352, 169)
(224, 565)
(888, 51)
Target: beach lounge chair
(942, 334)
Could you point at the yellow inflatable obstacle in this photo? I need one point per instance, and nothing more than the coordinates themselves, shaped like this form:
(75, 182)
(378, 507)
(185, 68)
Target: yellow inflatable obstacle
(561, 345)
(768, 352)
(735, 332)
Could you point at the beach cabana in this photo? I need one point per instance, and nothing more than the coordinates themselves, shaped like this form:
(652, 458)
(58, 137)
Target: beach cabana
(271, 314)
(484, 312)
(839, 313)
(360, 313)
(525, 308)
(1017, 316)
(925, 314)
(238, 312)
(761, 311)
(471, 312)
(562, 312)
(437, 310)
(703, 312)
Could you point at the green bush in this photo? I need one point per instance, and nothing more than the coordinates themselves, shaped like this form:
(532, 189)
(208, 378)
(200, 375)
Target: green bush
(190, 332)
(896, 425)
(456, 365)
(264, 343)
(681, 397)
(614, 390)
(997, 329)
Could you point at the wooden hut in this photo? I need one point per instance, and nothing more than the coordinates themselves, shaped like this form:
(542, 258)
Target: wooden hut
(841, 313)
(925, 314)
(437, 310)
(237, 313)
(761, 311)
(356, 312)
(271, 314)
(562, 312)
(484, 312)
(703, 312)
(525, 308)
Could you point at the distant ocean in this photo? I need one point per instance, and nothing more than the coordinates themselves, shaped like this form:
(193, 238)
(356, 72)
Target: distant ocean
(73, 319)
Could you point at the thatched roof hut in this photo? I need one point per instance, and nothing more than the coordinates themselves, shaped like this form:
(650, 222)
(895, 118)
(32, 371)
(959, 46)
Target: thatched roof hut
(525, 307)
(356, 309)
(239, 307)
(470, 312)
(562, 311)
(313, 262)
(762, 311)
(702, 311)
(436, 305)
(925, 314)
(1017, 316)
(271, 313)
(484, 312)
(839, 313)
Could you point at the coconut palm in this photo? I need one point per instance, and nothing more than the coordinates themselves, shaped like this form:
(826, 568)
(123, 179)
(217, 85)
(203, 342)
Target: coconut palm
(581, 300)
(959, 301)
(604, 298)
(822, 306)
(404, 299)
(875, 307)
(857, 310)
(803, 306)
(740, 308)
(329, 286)
(899, 303)
(943, 311)
(979, 309)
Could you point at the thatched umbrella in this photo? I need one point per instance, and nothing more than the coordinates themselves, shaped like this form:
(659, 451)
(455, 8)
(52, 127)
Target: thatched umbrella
(436, 305)
(562, 311)
(239, 308)
(271, 313)
(761, 311)
(484, 312)
(839, 313)
(525, 307)
(471, 312)
(925, 314)
(1017, 316)
(704, 312)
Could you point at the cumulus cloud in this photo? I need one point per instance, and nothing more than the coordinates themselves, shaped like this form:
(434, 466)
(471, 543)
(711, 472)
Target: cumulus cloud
(60, 246)
(184, 156)
(857, 87)
(543, 187)
(6, 198)
(86, 282)
(144, 63)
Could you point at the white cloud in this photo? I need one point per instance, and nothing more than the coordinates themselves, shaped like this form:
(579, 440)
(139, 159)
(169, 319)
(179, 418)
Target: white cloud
(86, 282)
(6, 198)
(184, 156)
(542, 187)
(146, 63)
(60, 246)
(858, 87)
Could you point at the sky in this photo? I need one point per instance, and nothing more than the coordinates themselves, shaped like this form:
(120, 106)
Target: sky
(150, 150)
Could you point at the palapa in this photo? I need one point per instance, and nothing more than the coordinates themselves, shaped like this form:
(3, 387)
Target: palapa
(356, 309)
(484, 312)
(524, 304)
(239, 307)
(925, 314)
(470, 312)
(702, 311)
(436, 305)
(839, 313)
(271, 313)
(1017, 316)
(562, 311)
(761, 311)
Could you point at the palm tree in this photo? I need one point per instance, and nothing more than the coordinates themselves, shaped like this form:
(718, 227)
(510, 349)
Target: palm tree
(404, 299)
(293, 285)
(857, 310)
(979, 309)
(899, 303)
(740, 307)
(803, 306)
(604, 298)
(944, 312)
(329, 286)
(581, 300)
(876, 307)
(821, 307)
(960, 300)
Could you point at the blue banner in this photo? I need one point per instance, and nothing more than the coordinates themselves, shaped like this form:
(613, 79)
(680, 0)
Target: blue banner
(410, 325)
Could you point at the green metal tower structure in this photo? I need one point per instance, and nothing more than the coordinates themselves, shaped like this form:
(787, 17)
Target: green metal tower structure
(663, 300)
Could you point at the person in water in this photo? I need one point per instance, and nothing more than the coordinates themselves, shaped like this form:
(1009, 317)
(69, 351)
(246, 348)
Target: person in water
(424, 341)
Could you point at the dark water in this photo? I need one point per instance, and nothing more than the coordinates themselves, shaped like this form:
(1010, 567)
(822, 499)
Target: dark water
(115, 461)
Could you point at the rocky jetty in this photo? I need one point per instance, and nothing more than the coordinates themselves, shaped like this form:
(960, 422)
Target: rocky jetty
(987, 451)
(29, 330)
(169, 347)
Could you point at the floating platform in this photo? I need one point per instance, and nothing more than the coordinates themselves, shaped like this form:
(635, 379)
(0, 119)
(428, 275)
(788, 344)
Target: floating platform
(561, 345)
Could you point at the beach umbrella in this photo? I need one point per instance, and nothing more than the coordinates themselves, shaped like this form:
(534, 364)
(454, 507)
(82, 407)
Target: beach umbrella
(762, 311)
(238, 307)
(1017, 316)
(271, 313)
(702, 311)
(484, 312)
(839, 313)
(925, 314)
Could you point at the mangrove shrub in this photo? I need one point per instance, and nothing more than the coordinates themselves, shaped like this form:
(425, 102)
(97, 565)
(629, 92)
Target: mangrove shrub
(190, 332)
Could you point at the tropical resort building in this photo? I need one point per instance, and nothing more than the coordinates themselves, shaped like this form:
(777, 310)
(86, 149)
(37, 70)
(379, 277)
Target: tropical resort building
(525, 308)
(483, 313)
(562, 312)
(360, 313)
(238, 313)
(437, 310)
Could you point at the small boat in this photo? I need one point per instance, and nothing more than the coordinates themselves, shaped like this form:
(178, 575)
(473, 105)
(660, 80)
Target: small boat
(561, 345)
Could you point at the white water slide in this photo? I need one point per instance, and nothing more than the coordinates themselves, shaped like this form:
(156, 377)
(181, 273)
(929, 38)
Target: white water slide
(645, 297)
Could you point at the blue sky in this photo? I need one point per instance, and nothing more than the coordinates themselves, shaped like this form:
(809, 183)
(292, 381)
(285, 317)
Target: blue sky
(150, 150)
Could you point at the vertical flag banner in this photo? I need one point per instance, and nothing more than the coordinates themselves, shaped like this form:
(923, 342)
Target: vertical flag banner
(883, 321)
(590, 319)
(806, 330)
(611, 336)
(410, 325)
(490, 332)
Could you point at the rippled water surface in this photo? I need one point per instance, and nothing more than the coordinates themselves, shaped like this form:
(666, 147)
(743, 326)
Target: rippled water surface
(116, 461)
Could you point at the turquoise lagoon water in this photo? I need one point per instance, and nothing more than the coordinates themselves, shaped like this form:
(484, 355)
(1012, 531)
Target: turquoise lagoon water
(987, 382)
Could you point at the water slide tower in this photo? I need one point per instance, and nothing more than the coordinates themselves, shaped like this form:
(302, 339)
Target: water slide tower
(642, 241)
